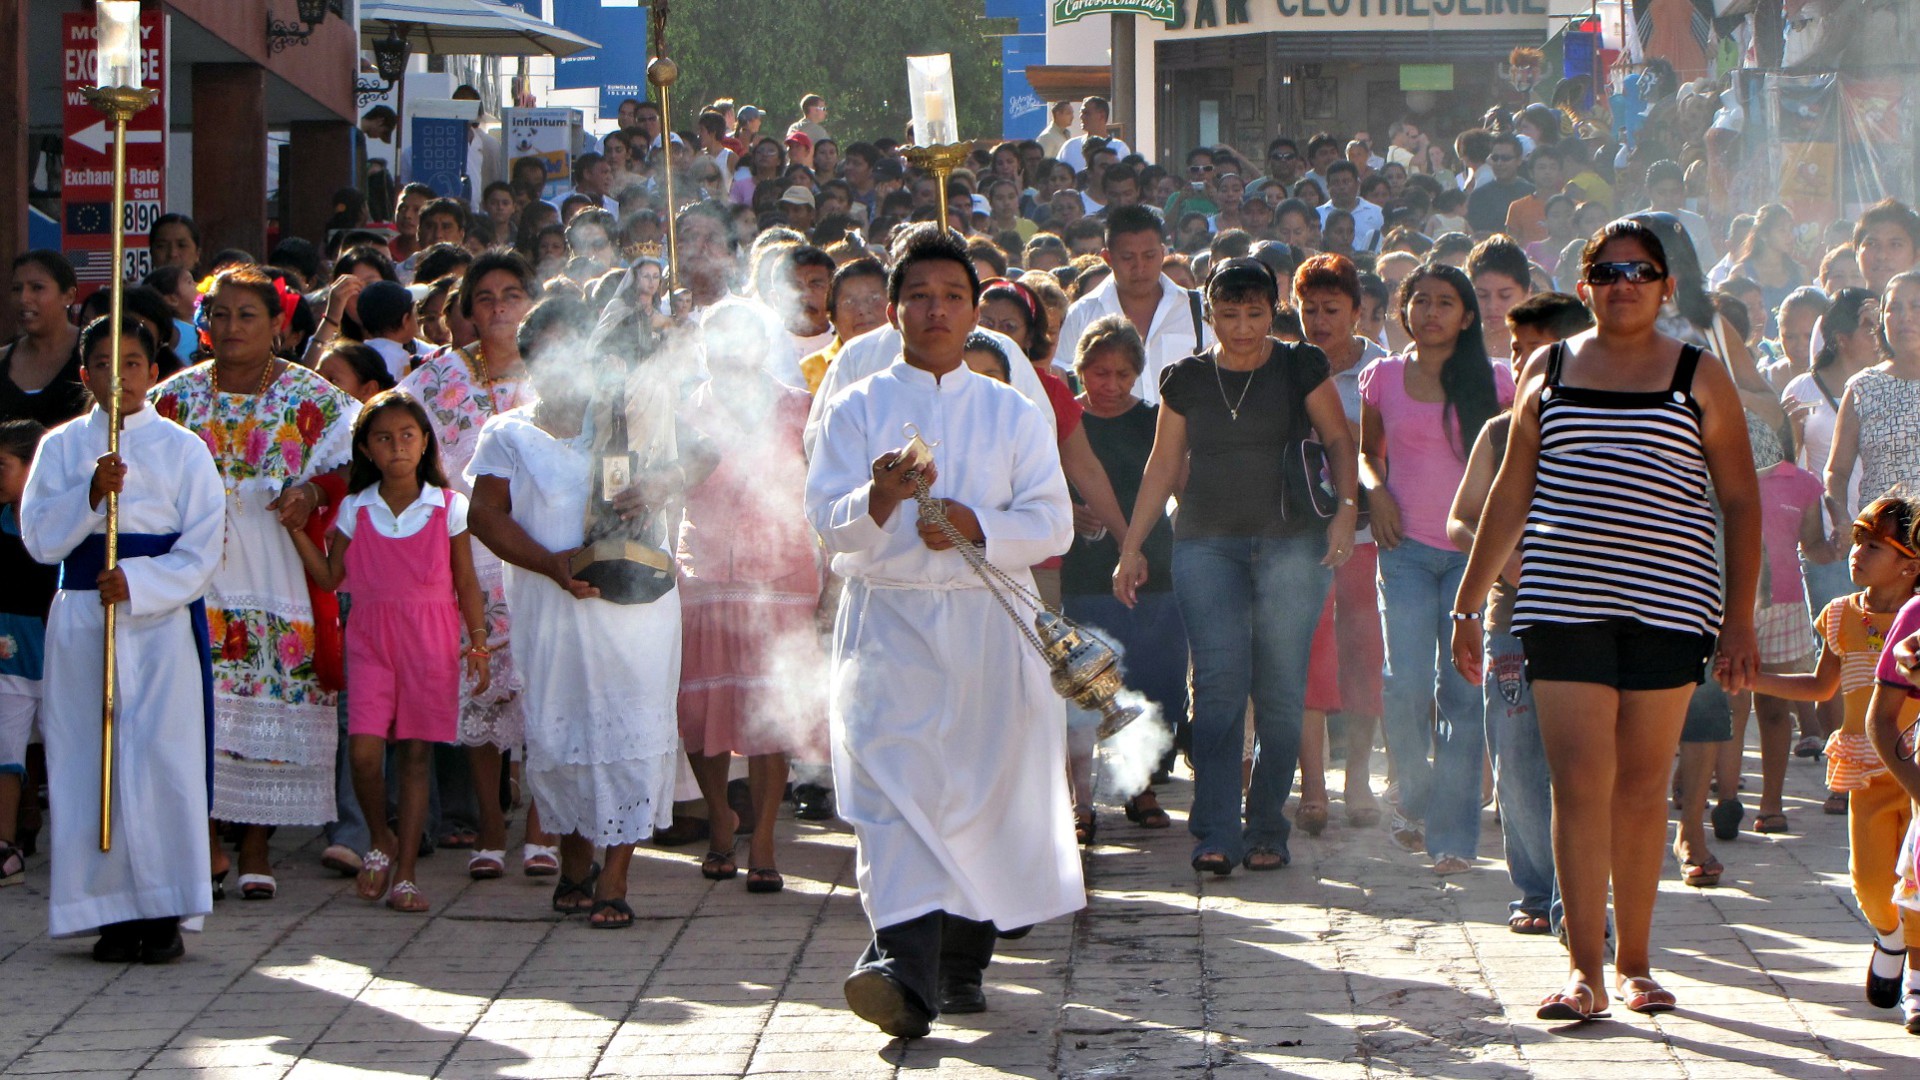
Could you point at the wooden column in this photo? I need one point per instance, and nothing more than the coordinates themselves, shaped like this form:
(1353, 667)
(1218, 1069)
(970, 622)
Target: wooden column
(15, 154)
(324, 156)
(230, 157)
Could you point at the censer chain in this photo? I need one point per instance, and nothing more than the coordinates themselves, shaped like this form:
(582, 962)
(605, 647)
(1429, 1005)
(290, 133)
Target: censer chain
(930, 510)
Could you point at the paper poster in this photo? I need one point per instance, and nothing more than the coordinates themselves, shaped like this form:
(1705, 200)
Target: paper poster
(543, 133)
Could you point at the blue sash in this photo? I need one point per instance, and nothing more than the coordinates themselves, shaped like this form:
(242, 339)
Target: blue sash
(79, 572)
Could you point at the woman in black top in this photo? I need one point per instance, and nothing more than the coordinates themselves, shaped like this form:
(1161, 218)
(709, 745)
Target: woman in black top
(1152, 639)
(1247, 546)
(40, 369)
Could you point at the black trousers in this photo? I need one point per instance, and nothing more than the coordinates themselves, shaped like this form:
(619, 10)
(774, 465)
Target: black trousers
(920, 954)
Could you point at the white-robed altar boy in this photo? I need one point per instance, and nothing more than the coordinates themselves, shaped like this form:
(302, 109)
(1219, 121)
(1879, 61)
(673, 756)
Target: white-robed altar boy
(949, 759)
(156, 876)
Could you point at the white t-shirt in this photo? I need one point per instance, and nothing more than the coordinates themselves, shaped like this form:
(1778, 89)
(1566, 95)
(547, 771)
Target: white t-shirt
(1816, 443)
(400, 359)
(410, 521)
(1075, 155)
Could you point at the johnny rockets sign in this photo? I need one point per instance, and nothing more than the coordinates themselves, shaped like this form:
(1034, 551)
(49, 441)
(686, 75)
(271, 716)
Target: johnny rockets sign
(1204, 17)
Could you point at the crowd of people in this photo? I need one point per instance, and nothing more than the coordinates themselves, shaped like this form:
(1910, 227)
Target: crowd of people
(1496, 447)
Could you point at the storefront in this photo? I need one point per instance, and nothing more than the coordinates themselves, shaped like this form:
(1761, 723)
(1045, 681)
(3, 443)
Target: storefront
(1242, 71)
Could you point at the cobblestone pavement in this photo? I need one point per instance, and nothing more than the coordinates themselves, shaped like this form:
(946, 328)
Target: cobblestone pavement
(1355, 962)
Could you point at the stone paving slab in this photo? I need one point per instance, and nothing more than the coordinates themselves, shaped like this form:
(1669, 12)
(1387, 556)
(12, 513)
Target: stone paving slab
(1355, 963)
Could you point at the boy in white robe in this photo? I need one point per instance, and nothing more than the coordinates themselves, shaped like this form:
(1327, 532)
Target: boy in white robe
(948, 758)
(171, 527)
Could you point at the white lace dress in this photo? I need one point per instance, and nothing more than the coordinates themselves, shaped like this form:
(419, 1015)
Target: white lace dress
(600, 678)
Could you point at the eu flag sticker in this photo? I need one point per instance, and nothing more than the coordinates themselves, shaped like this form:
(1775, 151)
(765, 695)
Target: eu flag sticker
(89, 219)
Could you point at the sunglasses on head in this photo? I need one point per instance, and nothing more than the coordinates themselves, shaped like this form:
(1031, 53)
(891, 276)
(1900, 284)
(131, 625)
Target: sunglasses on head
(1889, 521)
(1636, 272)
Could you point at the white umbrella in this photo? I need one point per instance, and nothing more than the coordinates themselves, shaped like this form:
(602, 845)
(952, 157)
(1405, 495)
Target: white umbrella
(466, 28)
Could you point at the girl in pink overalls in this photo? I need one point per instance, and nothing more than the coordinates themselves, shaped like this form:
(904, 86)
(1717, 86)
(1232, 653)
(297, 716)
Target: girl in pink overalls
(399, 549)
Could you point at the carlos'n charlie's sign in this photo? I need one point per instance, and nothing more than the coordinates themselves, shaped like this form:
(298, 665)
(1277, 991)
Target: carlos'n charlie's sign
(1256, 16)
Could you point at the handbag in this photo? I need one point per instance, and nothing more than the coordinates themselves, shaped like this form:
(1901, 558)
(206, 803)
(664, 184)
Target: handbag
(1306, 471)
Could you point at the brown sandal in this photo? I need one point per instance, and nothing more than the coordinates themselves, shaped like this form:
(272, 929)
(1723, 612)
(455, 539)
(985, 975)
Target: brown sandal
(719, 866)
(764, 879)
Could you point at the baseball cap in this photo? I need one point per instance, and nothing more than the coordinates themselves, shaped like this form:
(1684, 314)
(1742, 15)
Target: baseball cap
(801, 139)
(798, 196)
(746, 114)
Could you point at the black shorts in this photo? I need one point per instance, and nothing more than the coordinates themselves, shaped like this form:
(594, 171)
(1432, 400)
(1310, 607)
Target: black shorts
(1622, 653)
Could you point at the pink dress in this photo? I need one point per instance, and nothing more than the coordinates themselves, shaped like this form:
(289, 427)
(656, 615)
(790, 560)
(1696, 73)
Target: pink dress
(403, 635)
(752, 671)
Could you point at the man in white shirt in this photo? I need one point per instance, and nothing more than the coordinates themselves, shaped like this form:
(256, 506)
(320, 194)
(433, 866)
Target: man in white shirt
(1167, 316)
(1054, 138)
(1093, 120)
(1343, 193)
(1666, 189)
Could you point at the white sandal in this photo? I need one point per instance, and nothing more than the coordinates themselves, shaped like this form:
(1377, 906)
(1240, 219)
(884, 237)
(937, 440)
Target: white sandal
(487, 865)
(539, 860)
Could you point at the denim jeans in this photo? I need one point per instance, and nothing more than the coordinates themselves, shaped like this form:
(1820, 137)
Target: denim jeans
(1520, 779)
(1245, 602)
(1153, 647)
(349, 827)
(1417, 586)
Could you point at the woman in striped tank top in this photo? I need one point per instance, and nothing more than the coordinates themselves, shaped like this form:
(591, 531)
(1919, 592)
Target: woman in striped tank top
(1617, 436)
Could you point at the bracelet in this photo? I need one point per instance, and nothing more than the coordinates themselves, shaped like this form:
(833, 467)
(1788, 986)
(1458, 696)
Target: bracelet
(1465, 616)
(479, 650)
(328, 320)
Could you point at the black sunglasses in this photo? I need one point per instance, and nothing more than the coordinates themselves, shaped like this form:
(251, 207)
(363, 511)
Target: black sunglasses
(1283, 156)
(1633, 273)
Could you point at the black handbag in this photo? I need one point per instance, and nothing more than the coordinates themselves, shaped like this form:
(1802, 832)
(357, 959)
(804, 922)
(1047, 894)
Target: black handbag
(1309, 485)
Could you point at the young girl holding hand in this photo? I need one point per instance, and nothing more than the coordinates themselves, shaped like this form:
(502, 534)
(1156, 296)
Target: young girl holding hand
(400, 546)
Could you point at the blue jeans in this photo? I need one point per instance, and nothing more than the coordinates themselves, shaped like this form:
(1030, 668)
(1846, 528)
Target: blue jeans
(1520, 779)
(1250, 634)
(1417, 586)
(1152, 642)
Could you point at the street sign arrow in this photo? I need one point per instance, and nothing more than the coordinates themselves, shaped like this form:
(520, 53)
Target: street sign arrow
(97, 138)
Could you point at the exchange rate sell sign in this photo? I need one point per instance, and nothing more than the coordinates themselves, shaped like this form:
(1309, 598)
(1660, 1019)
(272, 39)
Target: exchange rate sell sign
(86, 188)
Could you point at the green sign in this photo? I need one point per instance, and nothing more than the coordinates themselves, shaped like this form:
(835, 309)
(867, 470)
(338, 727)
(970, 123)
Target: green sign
(1067, 11)
(1426, 76)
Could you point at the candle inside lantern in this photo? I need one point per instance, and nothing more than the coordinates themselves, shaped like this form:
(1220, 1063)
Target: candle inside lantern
(117, 43)
(934, 104)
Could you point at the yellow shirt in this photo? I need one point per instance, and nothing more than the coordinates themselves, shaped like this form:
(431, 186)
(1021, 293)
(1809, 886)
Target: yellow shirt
(814, 367)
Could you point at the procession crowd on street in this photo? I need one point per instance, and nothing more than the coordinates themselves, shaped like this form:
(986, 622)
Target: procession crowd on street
(1494, 447)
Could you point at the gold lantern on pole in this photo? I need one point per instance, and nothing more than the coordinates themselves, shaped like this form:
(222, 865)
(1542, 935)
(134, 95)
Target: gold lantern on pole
(118, 94)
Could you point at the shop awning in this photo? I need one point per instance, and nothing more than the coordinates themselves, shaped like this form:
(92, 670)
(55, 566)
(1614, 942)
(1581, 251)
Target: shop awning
(467, 28)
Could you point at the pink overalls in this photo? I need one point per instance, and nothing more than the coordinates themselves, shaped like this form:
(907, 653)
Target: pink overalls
(403, 633)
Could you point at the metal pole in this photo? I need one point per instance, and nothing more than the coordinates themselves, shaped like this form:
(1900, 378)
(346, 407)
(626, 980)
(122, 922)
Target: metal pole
(662, 72)
(113, 449)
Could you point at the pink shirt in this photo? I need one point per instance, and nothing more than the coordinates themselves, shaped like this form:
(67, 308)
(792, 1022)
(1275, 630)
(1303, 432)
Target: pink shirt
(1786, 491)
(1905, 625)
(1424, 466)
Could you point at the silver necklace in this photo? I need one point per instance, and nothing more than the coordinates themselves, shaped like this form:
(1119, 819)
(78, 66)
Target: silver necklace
(1233, 408)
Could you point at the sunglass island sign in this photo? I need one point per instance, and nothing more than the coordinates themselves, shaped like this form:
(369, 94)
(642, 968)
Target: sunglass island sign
(1166, 11)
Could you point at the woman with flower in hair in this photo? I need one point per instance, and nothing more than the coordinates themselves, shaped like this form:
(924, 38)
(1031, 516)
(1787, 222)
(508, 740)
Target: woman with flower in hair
(276, 430)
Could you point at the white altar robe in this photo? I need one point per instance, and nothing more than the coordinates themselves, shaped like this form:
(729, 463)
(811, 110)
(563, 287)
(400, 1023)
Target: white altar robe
(874, 350)
(159, 863)
(949, 758)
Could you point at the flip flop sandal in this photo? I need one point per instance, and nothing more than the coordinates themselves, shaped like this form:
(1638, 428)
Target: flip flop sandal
(1567, 1005)
(582, 889)
(1147, 817)
(1522, 923)
(406, 897)
(765, 879)
(1770, 823)
(1263, 858)
(257, 887)
(13, 865)
(1645, 996)
(1836, 803)
(1704, 875)
(487, 865)
(719, 866)
(539, 860)
(618, 907)
(371, 883)
(1213, 862)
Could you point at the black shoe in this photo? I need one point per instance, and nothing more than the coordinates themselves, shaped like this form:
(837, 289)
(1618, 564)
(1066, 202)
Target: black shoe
(119, 943)
(1727, 815)
(740, 801)
(1014, 934)
(1884, 993)
(961, 997)
(812, 802)
(160, 941)
(879, 1000)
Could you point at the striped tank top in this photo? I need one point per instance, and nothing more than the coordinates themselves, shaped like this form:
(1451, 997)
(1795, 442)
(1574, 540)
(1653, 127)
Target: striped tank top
(1621, 525)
